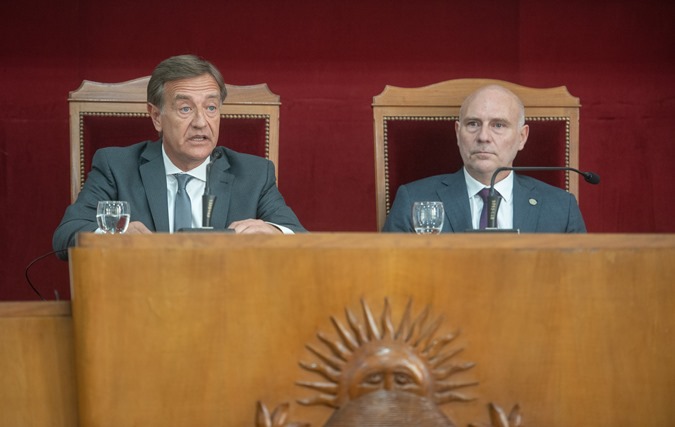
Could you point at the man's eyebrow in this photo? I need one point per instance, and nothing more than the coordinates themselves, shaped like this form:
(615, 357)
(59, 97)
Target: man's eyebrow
(180, 96)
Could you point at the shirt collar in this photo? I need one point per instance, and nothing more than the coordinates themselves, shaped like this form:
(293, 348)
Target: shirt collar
(504, 187)
(199, 172)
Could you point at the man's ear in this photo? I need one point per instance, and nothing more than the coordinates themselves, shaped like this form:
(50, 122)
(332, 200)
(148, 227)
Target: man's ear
(457, 131)
(524, 133)
(154, 115)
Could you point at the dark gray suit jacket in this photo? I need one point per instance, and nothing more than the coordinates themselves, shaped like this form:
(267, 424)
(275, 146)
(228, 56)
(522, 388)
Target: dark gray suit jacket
(244, 186)
(537, 206)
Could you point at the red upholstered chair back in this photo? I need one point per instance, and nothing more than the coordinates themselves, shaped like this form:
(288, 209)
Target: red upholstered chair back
(115, 114)
(415, 134)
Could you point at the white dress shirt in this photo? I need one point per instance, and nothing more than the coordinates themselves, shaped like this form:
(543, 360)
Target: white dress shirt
(195, 189)
(505, 189)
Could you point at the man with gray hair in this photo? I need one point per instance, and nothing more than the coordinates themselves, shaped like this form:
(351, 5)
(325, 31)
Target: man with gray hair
(491, 130)
(157, 177)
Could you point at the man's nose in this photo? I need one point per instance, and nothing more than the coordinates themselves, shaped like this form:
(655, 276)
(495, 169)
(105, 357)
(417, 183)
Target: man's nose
(199, 119)
(484, 134)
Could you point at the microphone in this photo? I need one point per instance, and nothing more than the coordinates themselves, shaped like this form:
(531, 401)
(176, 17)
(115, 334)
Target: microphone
(208, 199)
(493, 200)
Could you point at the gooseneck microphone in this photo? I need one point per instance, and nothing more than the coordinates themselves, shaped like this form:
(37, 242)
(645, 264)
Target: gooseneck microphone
(208, 199)
(493, 199)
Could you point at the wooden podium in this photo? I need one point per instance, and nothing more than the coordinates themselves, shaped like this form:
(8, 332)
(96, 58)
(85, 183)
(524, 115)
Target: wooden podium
(37, 368)
(195, 329)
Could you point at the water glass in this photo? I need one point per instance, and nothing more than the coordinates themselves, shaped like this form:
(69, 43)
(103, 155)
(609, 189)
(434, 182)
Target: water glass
(428, 217)
(113, 216)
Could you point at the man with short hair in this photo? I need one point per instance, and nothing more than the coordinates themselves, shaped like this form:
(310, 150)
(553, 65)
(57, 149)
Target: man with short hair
(184, 97)
(491, 130)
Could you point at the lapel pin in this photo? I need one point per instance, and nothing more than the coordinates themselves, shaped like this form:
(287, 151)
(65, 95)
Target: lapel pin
(533, 202)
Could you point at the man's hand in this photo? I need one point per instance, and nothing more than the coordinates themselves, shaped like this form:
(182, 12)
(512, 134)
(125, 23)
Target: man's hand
(253, 226)
(137, 227)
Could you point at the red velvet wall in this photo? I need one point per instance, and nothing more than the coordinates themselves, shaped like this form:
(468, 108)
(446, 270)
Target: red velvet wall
(327, 59)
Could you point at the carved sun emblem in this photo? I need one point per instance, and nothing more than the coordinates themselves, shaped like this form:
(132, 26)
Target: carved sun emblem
(369, 356)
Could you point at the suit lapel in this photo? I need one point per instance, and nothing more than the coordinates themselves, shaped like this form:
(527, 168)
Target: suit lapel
(221, 187)
(153, 176)
(456, 202)
(526, 208)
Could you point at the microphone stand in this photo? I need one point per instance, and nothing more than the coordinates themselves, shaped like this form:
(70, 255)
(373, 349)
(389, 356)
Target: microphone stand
(493, 200)
(208, 199)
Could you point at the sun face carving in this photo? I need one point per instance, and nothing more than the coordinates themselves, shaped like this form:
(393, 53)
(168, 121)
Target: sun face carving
(385, 365)
(369, 356)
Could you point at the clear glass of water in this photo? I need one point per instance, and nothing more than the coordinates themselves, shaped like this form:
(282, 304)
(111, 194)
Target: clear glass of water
(113, 216)
(428, 217)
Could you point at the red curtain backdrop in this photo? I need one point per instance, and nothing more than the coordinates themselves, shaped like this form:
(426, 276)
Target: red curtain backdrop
(327, 59)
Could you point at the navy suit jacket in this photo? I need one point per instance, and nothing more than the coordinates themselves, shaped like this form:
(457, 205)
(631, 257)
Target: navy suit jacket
(244, 186)
(537, 206)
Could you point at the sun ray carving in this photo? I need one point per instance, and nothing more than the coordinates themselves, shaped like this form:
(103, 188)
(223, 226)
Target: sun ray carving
(372, 353)
(277, 418)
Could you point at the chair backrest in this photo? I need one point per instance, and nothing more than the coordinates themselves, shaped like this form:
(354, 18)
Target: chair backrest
(115, 114)
(415, 134)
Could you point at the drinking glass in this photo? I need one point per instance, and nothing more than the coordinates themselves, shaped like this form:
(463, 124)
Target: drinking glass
(113, 216)
(428, 217)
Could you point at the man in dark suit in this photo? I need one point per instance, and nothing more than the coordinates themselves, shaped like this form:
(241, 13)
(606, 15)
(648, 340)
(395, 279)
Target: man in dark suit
(491, 130)
(184, 97)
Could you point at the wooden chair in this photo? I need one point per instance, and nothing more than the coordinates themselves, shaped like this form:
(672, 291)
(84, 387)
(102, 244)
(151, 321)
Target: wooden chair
(415, 134)
(115, 114)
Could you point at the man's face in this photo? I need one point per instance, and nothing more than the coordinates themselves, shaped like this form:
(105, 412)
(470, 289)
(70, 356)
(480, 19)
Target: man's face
(488, 133)
(189, 120)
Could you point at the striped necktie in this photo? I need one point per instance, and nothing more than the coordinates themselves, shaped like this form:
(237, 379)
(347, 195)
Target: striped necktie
(182, 216)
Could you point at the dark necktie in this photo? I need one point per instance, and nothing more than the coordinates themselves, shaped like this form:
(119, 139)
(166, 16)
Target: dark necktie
(182, 214)
(484, 213)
